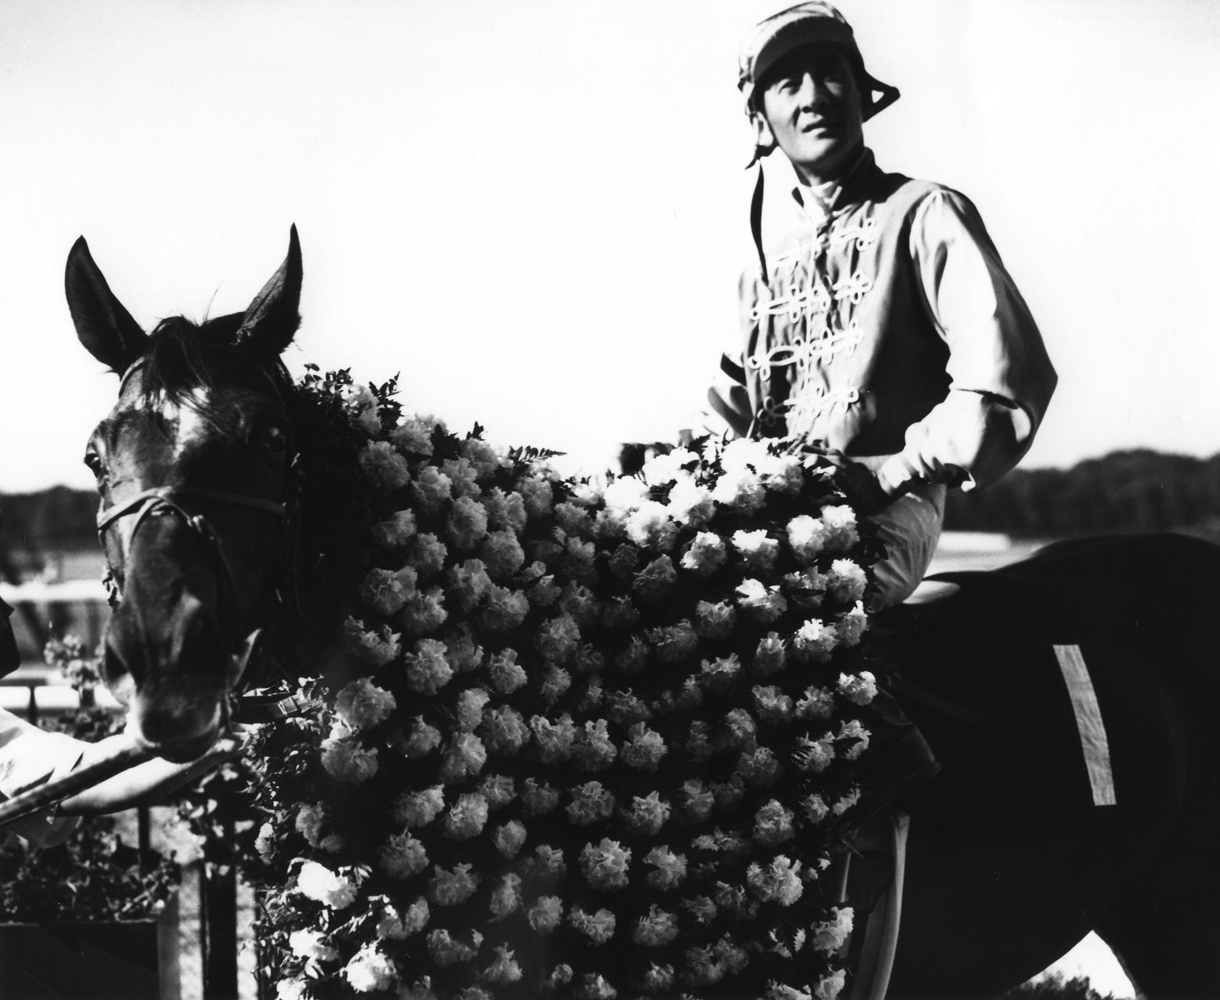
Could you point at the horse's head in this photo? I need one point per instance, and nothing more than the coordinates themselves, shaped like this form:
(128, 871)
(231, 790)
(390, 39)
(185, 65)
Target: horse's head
(194, 468)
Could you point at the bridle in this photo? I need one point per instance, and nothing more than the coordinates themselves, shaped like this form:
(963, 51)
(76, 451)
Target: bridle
(160, 500)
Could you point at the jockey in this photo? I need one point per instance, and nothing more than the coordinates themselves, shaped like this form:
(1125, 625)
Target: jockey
(877, 323)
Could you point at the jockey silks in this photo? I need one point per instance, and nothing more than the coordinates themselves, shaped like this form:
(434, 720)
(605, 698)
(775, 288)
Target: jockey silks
(885, 324)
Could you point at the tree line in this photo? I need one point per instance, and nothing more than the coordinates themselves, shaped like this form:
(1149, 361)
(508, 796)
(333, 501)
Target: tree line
(1125, 491)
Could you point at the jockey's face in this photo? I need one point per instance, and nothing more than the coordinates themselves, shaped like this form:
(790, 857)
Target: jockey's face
(813, 110)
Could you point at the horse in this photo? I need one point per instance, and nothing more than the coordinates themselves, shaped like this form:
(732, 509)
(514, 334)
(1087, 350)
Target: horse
(1018, 848)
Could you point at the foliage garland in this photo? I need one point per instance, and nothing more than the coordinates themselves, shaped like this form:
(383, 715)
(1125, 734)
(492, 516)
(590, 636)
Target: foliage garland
(583, 741)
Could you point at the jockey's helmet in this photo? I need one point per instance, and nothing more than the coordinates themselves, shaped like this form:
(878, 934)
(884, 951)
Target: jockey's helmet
(814, 22)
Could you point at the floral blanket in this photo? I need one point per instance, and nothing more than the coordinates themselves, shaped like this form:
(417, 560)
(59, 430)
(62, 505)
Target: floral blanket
(598, 740)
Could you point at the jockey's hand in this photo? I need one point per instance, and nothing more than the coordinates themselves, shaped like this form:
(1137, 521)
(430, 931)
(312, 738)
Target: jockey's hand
(862, 488)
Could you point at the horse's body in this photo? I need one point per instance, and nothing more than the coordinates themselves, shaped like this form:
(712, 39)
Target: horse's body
(1010, 862)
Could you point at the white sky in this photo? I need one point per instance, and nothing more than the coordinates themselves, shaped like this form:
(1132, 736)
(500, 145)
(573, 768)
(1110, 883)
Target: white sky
(536, 211)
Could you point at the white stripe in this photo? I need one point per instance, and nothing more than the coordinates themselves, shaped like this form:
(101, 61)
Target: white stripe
(1088, 720)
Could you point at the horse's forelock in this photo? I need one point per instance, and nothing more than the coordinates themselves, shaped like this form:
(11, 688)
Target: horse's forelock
(174, 366)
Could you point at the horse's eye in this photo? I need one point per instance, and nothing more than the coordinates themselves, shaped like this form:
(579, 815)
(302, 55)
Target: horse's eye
(94, 462)
(275, 440)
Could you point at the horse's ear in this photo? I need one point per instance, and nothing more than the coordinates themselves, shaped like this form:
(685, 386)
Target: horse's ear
(273, 316)
(102, 324)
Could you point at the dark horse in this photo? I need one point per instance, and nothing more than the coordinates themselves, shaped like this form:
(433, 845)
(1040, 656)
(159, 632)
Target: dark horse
(1016, 850)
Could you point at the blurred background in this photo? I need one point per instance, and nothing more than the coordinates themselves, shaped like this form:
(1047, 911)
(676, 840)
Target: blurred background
(536, 213)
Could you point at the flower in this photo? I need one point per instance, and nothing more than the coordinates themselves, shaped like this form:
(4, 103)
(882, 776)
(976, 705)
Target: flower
(815, 640)
(815, 703)
(466, 817)
(502, 554)
(856, 736)
(670, 868)
(317, 882)
(504, 730)
(422, 739)
(557, 638)
(386, 591)
(425, 612)
(427, 669)
(593, 750)
(656, 580)
(758, 551)
(852, 625)
(771, 704)
(450, 886)
(470, 708)
(590, 803)
(625, 494)
(384, 467)
(840, 523)
(705, 555)
(463, 480)
(657, 928)
(505, 672)
(361, 704)
(369, 970)
(770, 655)
(467, 523)
(674, 643)
(647, 815)
(430, 490)
(807, 537)
(291, 989)
(546, 913)
(504, 967)
(599, 926)
(536, 496)
(644, 748)
(426, 554)
(740, 489)
(605, 866)
(505, 609)
(691, 504)
(846, 581)
(537, 797)
(309, 821)
(830, 986)
(509, 838)
(760, 602)
(506, 897)
(414, 435)
(310, 944)
(860, 689)
(743, 453)
(481, 455)
(505, 510)
(402, 855)
(347, 760)
(395, 531)
(715, 621)
(464, 757)
(649, 526)
(413, 809)
(814, 755)
(782, 473)
(720, 675)
(830, 935)
(773, 825)
(446, 950)
(778, 882)
(815, 808)
(377, 647)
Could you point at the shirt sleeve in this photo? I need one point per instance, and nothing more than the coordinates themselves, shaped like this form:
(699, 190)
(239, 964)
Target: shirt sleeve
(29, 757)
(1001, 378)
(728, 402)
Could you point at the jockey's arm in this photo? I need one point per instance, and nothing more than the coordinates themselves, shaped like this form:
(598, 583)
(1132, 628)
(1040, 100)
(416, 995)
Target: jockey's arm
(1001, 376)
(145, 783)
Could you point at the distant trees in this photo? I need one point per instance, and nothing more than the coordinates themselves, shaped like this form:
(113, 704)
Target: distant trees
(1055, 987)
(1125, 491)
